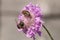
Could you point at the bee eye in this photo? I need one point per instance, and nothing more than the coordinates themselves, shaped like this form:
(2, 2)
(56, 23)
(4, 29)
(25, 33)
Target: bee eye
(26, 13)
(20, 25)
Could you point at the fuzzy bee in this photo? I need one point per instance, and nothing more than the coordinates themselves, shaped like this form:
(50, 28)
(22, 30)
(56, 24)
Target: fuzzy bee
(23, 24)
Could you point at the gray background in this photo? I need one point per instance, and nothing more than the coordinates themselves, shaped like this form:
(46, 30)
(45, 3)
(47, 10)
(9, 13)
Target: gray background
(10, 9)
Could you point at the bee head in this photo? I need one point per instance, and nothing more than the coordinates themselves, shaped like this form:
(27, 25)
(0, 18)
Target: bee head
(20, 25)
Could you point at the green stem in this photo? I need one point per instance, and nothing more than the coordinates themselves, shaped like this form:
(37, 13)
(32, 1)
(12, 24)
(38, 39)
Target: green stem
(48, 32)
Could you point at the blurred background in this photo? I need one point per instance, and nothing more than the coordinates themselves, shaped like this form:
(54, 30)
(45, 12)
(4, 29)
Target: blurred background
(9, 10)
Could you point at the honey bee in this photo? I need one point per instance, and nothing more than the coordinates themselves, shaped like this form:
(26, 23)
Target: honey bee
(22, 24)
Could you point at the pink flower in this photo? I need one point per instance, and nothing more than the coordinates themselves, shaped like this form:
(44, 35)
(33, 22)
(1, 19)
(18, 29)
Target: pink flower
(29, 20)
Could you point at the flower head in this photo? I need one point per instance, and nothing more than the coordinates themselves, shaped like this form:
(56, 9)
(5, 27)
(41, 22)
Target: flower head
(29, 20)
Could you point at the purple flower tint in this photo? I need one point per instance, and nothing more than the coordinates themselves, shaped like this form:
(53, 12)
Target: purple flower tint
(31, 25)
